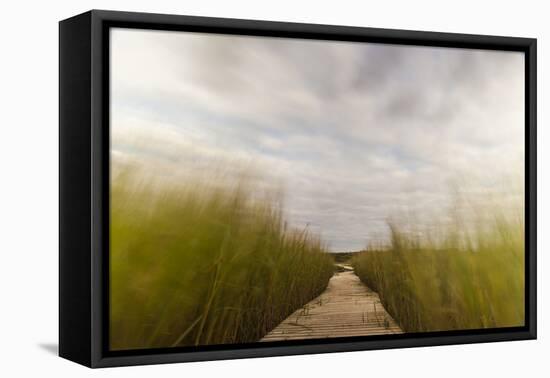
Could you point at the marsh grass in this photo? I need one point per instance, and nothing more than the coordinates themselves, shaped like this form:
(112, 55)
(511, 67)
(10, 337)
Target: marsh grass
(453, 278)
(198, 264)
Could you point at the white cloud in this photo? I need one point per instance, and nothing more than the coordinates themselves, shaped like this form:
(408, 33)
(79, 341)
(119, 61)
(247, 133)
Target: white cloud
(356, 132)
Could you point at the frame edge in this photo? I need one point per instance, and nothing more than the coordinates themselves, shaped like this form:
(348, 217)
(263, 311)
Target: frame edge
(74, 189)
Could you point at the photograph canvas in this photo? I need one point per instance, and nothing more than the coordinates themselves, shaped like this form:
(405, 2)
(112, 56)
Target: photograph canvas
(268, 190)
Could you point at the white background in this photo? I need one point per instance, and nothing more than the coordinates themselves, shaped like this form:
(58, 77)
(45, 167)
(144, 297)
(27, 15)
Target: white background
(29, 188)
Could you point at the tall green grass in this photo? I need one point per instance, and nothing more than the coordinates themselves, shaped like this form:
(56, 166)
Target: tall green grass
(197, 264)
(455, 279)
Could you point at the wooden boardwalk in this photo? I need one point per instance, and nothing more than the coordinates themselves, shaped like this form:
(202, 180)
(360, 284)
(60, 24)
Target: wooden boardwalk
(346, 308)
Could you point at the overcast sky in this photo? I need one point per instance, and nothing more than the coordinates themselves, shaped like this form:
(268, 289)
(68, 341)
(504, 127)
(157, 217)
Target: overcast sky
(352, 132)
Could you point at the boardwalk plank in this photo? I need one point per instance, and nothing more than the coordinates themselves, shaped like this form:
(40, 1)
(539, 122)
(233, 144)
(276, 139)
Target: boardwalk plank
(346, 308)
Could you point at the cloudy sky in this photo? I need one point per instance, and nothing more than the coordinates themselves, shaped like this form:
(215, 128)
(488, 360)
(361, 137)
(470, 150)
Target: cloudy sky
(352, 132)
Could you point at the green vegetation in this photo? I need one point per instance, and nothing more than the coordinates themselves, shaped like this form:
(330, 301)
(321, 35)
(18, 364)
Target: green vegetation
(201, 264)
(459, 280)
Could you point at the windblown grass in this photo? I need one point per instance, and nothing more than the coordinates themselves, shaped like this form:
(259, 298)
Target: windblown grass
(199, 264)
(457, 280)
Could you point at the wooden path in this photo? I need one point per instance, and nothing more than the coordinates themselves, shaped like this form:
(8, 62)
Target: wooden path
(346, 308)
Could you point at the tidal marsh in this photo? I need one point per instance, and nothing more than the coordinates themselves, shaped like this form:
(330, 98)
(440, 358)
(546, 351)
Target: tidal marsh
(450, 279)
(199, 264)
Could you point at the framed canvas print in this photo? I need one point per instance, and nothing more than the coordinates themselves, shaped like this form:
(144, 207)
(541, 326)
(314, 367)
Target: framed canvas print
(234, 188)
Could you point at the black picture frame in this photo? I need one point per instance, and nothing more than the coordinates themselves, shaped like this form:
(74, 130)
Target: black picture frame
(84, 186)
